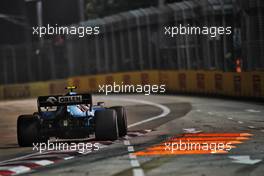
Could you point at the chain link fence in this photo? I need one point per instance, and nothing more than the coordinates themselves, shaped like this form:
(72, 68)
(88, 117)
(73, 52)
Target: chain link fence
(135, 40)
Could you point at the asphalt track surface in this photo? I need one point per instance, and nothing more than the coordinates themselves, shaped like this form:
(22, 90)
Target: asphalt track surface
(152, 120)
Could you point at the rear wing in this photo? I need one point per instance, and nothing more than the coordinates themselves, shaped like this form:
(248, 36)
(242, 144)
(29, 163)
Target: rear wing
(64, 100)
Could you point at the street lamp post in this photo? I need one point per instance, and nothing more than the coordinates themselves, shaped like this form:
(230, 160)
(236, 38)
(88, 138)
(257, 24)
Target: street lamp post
(39, 16)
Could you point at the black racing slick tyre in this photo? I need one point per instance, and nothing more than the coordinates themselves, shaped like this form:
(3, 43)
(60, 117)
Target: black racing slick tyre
(27, 130)
(121, 120)
(106, 127)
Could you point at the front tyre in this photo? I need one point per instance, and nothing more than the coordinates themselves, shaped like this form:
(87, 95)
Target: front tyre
(106, 127)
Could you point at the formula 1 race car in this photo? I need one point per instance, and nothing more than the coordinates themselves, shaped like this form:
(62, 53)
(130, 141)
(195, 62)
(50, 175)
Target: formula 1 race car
(71, 116)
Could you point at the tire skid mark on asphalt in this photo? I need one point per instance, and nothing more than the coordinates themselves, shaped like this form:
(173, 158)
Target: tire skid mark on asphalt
(29, 162)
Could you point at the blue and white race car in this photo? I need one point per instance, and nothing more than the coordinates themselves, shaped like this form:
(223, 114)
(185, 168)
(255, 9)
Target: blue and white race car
(71, 116)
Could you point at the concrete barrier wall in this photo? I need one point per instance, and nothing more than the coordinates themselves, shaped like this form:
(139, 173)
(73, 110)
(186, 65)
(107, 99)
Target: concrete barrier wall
(247, 84)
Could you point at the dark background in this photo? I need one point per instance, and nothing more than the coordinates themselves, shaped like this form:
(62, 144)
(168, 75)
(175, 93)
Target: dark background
(131, 38)
(61, 12)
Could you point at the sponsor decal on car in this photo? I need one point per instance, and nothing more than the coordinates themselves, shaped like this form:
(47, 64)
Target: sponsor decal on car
(70, 99)
(65, 99)
(52, 100)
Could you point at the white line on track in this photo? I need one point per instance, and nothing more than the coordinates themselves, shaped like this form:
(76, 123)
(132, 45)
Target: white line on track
(126, 142)
(132, 156)
(137, 170)
(134, 163)
(68, 158)
(19, 158)
(244, 159)
(253, 110)
(16, 169)
(165, 110)
(251, 127)
(44, 162)
(130, 149)
(210, 113)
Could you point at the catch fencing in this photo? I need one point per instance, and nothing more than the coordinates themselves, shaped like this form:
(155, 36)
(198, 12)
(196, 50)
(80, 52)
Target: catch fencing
(136, 41)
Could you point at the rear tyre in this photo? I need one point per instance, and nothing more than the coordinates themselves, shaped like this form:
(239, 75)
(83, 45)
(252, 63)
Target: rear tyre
(121, 120)
(42, 139)
(106, 127)
(28, 130)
